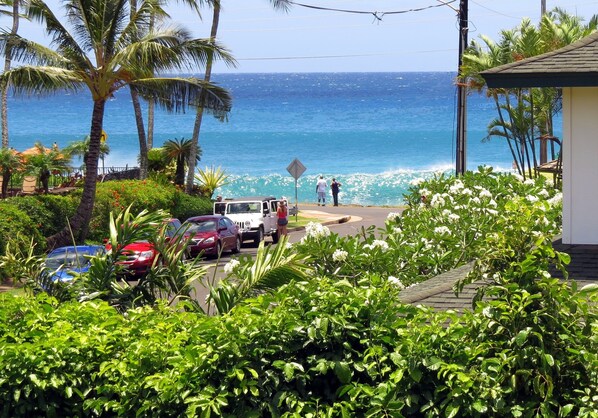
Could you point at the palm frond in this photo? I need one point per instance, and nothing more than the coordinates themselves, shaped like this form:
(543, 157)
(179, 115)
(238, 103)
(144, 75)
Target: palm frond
(41, 80)
(60, 36)
(272, 267)
(28, 52)
(175, 94)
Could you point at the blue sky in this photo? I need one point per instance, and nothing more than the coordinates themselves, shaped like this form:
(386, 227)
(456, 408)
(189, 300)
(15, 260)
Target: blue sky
(308, 40)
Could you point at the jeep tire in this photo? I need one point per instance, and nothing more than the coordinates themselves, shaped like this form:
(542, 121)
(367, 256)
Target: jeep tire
(259, 236)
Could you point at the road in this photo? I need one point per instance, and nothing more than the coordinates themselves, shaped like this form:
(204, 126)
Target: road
(352, 219)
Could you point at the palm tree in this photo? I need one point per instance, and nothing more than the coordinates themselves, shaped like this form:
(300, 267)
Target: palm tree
(9, 163)
(80, 149)
(101, 53)
(523, 114)
(43, 162)
(216, 5)
(180, 152)
(7, 63)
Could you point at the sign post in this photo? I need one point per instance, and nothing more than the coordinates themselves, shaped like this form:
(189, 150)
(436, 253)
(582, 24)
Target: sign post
(296, 169)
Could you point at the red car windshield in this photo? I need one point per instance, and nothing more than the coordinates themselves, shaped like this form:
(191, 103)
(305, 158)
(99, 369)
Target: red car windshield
(202, 226)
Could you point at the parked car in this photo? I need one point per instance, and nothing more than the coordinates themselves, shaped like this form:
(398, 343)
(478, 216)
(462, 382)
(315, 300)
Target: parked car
(212, 234)
(255, 216)
(139, 256)
(64, 261)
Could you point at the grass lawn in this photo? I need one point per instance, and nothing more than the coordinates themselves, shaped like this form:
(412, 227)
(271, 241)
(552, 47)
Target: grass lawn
(301, 221)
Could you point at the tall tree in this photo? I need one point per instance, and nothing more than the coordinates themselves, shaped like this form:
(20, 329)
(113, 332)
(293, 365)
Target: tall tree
(9, 163)
(7, 63)
(101, 53)
(180, 151)
(44, 161)
(524, 115)
(191, 163)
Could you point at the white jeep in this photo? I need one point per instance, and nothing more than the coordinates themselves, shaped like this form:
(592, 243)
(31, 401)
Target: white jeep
(255, 216)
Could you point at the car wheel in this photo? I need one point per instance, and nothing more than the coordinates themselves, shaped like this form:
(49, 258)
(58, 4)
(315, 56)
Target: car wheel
(259, 237)
(237, 247)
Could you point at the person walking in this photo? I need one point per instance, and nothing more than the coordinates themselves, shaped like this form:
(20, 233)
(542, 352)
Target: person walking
(281, 218)
(321, 188)
(335, 186)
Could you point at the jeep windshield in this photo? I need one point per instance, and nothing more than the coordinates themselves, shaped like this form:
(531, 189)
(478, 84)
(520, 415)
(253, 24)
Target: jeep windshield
(241, 207)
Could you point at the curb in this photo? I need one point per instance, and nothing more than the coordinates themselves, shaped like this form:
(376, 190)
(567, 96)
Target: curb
(338, 220)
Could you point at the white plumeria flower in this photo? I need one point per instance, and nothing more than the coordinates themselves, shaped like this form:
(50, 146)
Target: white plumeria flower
(316, 230)
(437, 200)
(485, 193)
(393, 216)
(492, 212)
(543, 193)
(424, 192)
(395, 281)
(466, 192)
(475, 200)
(453, 217)
(492, 203)
(339, 255)
(531, 198)
(556, 199)
(416, 182)
(231, 266)
(529, 182)
(397, 230)
(378, 243)
(442, 230)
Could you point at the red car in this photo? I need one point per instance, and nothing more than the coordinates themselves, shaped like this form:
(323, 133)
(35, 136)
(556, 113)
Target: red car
(212, 234)
(139, 256)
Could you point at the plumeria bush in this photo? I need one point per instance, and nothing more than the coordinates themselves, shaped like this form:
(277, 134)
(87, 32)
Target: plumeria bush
(334, 340)
(449, 222)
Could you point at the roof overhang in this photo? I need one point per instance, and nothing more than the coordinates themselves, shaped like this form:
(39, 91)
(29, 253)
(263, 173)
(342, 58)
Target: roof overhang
(524, 80)
(575, 65)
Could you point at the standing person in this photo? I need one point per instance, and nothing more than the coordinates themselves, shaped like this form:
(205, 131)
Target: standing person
(335, 186)
(281, 218)
(321, 187)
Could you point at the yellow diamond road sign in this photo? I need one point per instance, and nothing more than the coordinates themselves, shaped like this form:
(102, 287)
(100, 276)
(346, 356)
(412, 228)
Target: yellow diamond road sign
(296, 168)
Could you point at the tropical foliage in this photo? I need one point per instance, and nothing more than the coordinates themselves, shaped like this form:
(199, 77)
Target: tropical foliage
(43, 161)
(98, 48)
(524, 115)
(334, 340)
(210, 179)
(10, 162)
(180, 151)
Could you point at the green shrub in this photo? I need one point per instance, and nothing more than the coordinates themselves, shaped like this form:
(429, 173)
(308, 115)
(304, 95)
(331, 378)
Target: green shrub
(115, 196)
(186, 206)
(15, 222)
(48, 211)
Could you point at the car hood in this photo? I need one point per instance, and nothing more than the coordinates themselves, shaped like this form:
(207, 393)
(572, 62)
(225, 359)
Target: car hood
(203, 235)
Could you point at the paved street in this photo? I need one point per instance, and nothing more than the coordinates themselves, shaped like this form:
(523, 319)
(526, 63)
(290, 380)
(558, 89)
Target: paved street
(343, 220)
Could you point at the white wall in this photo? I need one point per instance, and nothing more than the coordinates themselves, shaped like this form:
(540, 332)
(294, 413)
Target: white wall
(580, 165)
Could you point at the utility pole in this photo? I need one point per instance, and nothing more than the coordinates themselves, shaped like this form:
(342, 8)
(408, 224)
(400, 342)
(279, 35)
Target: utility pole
(543, 7)
(462, 92)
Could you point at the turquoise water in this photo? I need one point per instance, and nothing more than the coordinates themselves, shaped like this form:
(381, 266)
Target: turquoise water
(376, 132)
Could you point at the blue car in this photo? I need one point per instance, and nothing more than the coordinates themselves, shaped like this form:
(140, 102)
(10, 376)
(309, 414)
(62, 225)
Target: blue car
(63, 261)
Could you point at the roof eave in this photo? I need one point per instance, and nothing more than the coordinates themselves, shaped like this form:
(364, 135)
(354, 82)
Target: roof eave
(561, 79)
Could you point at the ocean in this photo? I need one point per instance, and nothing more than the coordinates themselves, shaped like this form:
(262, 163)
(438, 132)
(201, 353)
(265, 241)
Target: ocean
(374, 132)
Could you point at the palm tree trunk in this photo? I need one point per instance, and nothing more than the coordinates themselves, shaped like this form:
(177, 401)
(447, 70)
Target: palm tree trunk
(7, 63)
(143, 159)
(199, 116)
(79, 223)
(151, 104)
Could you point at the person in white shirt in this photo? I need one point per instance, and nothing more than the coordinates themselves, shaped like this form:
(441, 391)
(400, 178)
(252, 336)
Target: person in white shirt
(321, 188)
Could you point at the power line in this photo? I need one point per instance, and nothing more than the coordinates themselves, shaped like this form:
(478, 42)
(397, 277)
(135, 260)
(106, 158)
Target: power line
(317, 57)
(378, 15)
